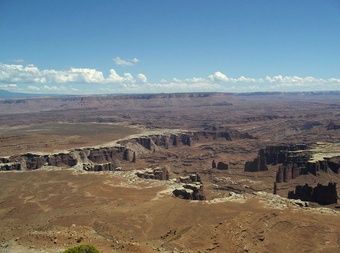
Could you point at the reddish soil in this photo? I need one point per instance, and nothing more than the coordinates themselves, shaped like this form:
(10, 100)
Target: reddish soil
(48, 211)
(51, 210)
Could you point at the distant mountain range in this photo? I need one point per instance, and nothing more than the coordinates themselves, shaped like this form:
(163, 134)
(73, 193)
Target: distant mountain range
(7, 94)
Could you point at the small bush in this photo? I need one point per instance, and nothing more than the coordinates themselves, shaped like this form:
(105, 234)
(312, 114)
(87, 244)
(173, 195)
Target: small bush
(82, 249)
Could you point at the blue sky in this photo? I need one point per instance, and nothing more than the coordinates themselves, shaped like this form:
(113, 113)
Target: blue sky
(146, 46)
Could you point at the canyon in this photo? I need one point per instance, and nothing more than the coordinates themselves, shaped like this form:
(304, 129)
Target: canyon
(191, 172)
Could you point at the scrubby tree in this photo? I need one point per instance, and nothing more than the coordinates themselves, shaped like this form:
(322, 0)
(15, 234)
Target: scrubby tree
(82, 249)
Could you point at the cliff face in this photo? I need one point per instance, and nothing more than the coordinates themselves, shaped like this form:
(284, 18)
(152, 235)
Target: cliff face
(324, 195)
(152, 142)
(300, 165)
(61, 160)
(293, 161)
(98, 158)
(258, 164)
(127, 150)
(99, 167)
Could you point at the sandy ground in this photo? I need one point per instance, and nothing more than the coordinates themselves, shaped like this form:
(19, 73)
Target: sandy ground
(51, 210)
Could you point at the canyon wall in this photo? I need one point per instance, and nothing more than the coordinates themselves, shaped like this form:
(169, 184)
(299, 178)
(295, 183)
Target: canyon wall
(107, 158)
(292, 161)
(322, 194)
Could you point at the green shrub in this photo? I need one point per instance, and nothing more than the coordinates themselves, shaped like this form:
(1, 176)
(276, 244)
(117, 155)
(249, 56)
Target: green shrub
(82, 249)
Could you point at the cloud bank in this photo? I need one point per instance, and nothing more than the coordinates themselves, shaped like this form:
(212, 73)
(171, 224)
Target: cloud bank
(29, 78)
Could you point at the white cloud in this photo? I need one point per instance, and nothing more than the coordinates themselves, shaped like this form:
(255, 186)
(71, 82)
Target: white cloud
(135, 60)
(121, 62)
(34, 88)
(114, 77)
(18, 60)
(54, 88)
(128, 78)
(219, 77)
(59, 89)
(10, 86)
(31, 78)
(141, 78)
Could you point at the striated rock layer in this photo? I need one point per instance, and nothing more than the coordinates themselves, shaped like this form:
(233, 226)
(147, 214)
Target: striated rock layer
(292, 161)
(106, 158)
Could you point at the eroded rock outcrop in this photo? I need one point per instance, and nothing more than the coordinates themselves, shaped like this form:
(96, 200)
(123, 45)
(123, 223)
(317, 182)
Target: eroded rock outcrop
(127, 150)
(292, 161)
(213, 164)
(222, 166)
(228, 133)
(99, 167)
(324, 195)
(157, 173)
(219, 165)
(192, 189)
(33, 161)
(104, 155)
(258, 164)
(61, 160)
(10, 166)
(191, 178)
(300, 164)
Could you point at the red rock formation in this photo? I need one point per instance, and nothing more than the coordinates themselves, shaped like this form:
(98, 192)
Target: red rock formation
(193, 191)
(324, 195)
(34, 162)
(213, 165)
(99, 167)
(129, 155)
(61, 160)
(157, 173)
(258, 164)
(222, 166)
(10, 166)
(191, 178)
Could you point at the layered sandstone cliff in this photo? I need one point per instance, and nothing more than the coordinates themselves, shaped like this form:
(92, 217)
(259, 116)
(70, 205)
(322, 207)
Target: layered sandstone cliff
(291, 161)
(322, 194)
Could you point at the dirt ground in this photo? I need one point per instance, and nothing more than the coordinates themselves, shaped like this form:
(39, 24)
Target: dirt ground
(53, 137)
(51, 210)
